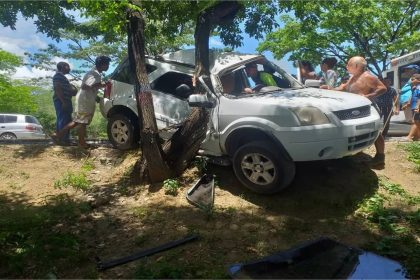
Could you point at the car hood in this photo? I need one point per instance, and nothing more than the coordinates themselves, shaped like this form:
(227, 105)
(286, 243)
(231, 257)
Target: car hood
(326, 100)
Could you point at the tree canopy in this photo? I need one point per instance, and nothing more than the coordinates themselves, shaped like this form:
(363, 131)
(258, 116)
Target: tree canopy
(15, 97)
(375, 29)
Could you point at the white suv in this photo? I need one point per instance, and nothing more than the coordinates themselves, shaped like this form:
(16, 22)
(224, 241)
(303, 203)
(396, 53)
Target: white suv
(262, 134)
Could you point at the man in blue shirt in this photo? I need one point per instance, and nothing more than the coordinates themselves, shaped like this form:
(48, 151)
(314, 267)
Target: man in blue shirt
(414, 104)
(63, 92)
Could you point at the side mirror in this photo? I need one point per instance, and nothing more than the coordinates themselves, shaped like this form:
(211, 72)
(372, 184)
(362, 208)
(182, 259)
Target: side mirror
(183, 91)
(200, 100)
(313, 83)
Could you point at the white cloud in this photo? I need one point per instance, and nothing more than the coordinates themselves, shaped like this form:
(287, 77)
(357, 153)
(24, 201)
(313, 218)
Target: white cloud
(23, 38)
(19, 46)
(24, 72)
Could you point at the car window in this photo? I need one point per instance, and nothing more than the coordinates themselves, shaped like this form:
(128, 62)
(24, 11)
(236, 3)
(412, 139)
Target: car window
(279, 78)
(30, 119)
(10, 119)
(168, 83)
(124, 74)
(1, 118)
(234, 82)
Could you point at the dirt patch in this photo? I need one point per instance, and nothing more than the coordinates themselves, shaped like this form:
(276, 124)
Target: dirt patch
(122, 219)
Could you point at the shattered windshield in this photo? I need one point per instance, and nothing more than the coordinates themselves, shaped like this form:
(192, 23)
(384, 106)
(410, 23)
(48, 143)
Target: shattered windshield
(256, 77)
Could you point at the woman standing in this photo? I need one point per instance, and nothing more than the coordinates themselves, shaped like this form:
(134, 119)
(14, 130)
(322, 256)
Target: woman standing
(329, 75)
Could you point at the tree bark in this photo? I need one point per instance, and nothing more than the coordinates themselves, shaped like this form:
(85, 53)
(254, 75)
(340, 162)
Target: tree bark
(186, 141)
(183, 146)
(157, 169)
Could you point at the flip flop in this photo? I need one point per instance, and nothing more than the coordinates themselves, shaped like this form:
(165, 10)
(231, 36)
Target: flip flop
(55, 139)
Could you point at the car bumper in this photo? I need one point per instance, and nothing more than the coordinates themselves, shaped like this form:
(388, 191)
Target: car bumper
(105, 105)
(331, 141)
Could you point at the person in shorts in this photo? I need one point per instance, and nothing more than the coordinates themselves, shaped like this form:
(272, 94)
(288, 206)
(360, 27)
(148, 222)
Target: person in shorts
(86, 101)
(414, 134)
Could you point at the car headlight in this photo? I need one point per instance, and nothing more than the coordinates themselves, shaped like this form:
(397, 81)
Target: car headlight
(310, 116)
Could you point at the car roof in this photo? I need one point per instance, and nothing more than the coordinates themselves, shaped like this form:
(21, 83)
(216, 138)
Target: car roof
(219, 60)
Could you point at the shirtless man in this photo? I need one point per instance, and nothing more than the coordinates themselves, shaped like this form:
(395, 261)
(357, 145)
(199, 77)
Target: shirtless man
(364, 83)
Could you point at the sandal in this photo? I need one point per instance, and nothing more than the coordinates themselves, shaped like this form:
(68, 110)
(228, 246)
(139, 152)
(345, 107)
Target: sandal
(55, 139)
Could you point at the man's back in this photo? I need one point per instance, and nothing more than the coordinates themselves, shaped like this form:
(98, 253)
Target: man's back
(362, 84)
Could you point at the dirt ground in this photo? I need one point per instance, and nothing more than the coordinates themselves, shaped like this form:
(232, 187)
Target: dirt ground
(123, 219)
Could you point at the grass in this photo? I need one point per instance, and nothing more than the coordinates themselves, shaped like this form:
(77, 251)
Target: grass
(88, 165)
(77, 180)
(34, 242)
(396, 214)
(171, 186)
(413, 150)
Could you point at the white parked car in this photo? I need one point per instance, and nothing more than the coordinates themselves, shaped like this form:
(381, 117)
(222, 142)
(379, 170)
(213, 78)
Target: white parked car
(18, 126)
(262, 134)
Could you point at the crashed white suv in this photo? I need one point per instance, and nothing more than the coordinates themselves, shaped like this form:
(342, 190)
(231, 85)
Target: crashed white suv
(261, 134)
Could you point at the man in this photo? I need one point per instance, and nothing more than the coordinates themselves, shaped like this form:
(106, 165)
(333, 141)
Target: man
(260, 78)
(386, 102)
(362, 82)
(63, 92)
(86, 100)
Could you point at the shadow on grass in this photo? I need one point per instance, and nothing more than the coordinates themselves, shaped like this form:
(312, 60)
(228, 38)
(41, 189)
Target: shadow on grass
(40, 241)
(54, 239)
(324, 189)
(35, 150)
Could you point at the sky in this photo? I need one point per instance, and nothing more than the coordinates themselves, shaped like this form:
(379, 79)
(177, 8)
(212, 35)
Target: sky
(26, 39)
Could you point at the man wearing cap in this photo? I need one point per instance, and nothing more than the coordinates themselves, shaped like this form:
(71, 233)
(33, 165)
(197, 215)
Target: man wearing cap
(86, 100)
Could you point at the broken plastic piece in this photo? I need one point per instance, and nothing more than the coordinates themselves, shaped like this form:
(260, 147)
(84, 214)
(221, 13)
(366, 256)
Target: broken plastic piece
(201, 194)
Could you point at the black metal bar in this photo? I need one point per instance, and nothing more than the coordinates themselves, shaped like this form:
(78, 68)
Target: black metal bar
(142, 254)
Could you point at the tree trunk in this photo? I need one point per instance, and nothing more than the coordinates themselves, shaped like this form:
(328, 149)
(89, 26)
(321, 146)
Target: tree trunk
(157, 169)
(186, 141)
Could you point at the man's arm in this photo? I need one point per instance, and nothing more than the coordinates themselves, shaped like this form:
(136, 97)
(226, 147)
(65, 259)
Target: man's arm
(341, 87)
(378, 87)
(92, 81)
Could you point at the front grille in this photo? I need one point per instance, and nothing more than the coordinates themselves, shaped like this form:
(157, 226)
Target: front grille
(354, 113)
(360, 141)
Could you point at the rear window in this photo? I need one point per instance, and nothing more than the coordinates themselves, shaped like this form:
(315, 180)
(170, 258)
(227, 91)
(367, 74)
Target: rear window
(124, 74)
(10, 119)
(30, 119)
(1, 118)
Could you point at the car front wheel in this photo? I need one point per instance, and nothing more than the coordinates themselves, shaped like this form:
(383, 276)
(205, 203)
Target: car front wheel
(121, 132)
(262, 167)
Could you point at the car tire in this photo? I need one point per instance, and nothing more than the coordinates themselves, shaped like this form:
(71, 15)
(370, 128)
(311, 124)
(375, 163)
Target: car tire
(262, 167)
(8, 136)
(121, 132)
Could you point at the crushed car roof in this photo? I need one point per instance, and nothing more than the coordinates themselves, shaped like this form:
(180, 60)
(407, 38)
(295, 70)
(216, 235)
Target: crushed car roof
(218, 60)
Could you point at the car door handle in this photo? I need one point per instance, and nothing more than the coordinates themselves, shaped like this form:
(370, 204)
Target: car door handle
(2, 127)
